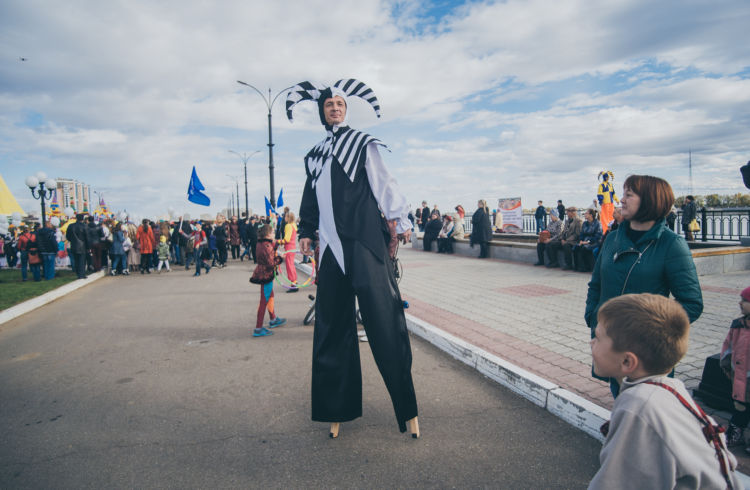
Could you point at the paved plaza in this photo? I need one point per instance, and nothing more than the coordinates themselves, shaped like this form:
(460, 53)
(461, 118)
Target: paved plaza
(154, 381)
(533, 316)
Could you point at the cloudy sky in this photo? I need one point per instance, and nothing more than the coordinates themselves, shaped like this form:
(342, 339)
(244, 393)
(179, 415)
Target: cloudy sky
(479, 99)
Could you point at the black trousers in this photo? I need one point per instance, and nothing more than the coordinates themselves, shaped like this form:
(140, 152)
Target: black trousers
(253, 244)
(540, 252)
(484, 250)
(427, 243)
(336, 371)
(222, 246)
(79, 264)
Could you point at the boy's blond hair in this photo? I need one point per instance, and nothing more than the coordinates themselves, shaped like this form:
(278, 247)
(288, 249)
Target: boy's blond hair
(652, 327)
(265, 230)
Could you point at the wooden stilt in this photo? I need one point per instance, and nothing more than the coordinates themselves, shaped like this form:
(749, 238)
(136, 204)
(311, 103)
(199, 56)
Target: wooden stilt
(414, 427)
(334, 430)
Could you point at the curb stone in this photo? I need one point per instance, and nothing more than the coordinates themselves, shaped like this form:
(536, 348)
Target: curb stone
(48, 297)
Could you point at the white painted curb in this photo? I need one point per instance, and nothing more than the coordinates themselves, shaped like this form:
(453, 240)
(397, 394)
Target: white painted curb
(575, 410)
(34, 303)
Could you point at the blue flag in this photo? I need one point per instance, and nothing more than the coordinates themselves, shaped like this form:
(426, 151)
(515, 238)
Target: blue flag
(268, 207)
(280, 200)
(194, 191)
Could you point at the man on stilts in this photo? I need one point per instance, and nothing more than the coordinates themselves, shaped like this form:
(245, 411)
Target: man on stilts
(350, 198)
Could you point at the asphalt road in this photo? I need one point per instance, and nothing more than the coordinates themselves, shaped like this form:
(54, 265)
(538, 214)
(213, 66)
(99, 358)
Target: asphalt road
(155, 382)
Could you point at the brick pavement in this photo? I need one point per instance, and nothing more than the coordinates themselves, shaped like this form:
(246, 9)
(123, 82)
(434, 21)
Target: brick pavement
(533, 316)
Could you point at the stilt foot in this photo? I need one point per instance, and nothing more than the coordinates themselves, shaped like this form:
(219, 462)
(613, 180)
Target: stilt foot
(414, 427)
(334, 433)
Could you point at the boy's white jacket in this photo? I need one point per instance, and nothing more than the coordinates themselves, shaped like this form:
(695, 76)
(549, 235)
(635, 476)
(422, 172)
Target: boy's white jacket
(656, 442)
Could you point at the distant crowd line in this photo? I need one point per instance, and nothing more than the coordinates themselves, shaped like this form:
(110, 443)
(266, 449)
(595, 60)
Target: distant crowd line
(88, 243)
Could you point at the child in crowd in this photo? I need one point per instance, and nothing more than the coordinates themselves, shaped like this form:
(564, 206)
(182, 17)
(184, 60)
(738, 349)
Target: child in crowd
(163, 252)
(658, 437)
(735, 359)
(265, 252)
(290, 243)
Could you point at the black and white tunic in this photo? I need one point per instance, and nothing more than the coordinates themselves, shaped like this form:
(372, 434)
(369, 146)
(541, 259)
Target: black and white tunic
(347, 189)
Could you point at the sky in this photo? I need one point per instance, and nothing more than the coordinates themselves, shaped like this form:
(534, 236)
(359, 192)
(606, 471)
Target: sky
(479, 100)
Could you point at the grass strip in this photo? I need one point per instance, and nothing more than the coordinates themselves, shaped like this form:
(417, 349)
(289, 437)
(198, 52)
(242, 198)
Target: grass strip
(13, 290)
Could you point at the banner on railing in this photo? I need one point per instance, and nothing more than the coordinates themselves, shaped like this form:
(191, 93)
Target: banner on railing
(511, 211)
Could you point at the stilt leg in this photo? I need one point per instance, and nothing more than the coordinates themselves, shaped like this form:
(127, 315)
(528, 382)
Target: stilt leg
(334, 430)
(414, 427)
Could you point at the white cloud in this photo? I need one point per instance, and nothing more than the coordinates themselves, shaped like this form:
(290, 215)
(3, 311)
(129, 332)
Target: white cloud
(132, 94)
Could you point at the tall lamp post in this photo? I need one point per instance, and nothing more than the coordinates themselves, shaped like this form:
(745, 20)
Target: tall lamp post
(41, 188)
(269, 103)
(245, 157)
(237, 186)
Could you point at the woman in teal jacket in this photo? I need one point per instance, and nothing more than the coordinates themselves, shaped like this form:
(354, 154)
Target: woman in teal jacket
(643, 255)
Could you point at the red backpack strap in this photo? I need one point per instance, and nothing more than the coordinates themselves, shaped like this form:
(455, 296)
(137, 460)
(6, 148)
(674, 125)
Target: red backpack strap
(710, 431)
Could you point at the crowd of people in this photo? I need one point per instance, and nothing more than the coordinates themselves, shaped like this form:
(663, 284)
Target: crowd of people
(638, 335)
(88, 243)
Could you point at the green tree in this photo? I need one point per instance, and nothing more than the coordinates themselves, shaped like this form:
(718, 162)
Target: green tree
(713, 201)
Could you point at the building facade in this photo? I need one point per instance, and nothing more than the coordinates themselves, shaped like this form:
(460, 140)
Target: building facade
(74, 194)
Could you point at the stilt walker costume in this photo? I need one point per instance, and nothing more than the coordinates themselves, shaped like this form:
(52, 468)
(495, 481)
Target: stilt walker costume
(606, 195)
(347, 193)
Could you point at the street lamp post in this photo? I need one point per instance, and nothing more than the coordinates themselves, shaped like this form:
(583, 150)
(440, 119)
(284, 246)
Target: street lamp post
(237, 186)
(245, 157)
(269, 103)
(41, 188)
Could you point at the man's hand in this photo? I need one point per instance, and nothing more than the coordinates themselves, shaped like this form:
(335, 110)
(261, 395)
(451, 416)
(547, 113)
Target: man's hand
(405, 237)
(305, 245)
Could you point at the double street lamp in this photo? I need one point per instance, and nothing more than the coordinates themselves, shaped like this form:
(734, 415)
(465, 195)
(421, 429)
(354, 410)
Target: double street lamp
(269, 103)
(41, 188)
(245, 157)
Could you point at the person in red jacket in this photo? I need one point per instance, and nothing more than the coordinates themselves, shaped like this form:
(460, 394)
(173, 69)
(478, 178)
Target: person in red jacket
(146, 240)
(23, 247)
(263, 275)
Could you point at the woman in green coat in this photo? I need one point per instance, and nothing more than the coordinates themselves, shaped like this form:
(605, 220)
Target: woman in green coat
(643, 255)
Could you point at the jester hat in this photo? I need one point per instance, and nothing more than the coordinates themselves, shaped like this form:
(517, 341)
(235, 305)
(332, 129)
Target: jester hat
(319, 93)
(608, 173)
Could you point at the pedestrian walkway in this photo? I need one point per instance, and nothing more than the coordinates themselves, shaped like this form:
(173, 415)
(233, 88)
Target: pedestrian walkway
(532, 316)
(154, 381)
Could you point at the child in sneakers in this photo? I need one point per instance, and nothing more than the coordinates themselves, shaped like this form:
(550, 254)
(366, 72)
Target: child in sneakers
(265, 252)
(658, 437)
(163, 252)
(735, 358)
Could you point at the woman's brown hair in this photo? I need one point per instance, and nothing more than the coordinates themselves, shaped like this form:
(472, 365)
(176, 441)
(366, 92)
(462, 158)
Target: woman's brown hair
(656, 196)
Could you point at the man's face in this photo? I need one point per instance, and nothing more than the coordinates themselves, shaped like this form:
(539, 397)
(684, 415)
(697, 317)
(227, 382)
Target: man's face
(606, 360)
(571, 214)
(334, 110)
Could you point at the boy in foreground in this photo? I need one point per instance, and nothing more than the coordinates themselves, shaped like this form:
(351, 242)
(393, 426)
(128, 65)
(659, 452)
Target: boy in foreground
(658, 437)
